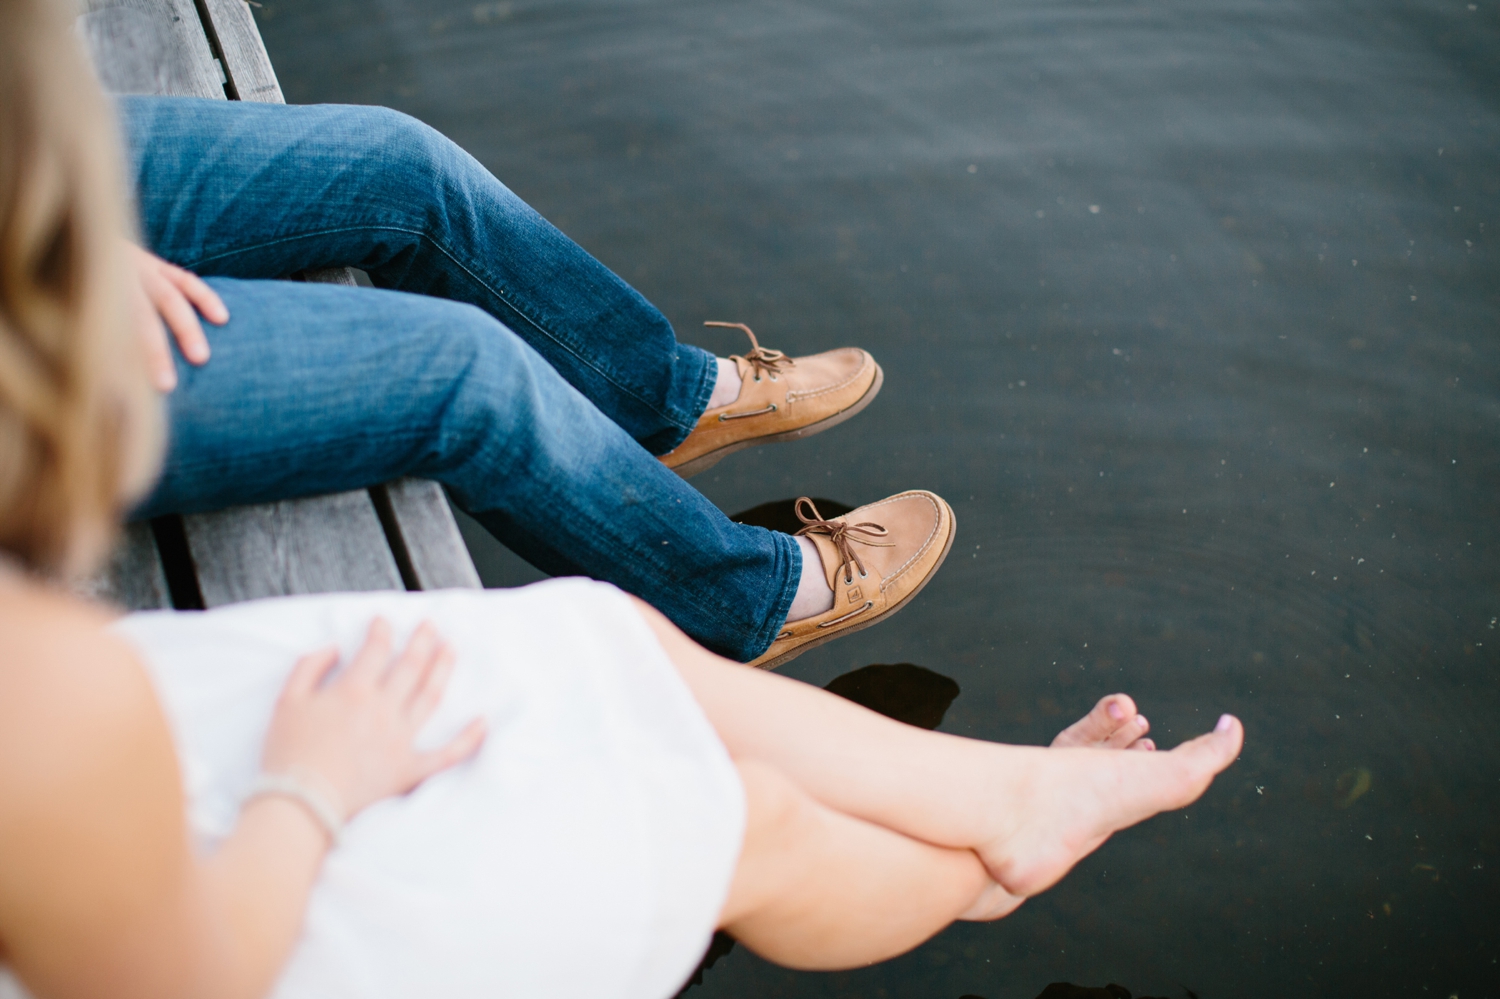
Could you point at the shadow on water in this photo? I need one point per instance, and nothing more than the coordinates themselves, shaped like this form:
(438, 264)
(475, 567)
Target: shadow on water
(901, 691)
(781, 515)
(1067, 990)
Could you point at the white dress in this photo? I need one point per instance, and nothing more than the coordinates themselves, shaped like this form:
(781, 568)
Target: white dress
(587, 850)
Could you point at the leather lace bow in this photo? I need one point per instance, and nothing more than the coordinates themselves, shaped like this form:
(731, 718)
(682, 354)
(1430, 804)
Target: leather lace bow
(842, 533)
(762, 360)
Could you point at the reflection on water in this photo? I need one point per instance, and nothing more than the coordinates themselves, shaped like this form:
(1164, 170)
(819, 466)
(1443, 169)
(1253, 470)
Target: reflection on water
(1188, 307)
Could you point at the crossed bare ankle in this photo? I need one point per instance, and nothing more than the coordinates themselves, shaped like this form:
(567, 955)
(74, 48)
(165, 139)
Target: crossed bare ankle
(1061, 803)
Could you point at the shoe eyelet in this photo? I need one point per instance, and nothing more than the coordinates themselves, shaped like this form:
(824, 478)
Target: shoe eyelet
(773, 407)
(757, 377)
(775, 379)
(864, 575)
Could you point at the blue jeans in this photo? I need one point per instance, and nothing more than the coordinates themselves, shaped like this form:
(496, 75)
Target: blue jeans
(494, 356)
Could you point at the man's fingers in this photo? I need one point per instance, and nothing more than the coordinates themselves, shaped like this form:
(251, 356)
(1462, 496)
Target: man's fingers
(197, 291)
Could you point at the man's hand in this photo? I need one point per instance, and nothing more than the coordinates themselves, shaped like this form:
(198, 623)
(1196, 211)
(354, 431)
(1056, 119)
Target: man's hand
(172, 297)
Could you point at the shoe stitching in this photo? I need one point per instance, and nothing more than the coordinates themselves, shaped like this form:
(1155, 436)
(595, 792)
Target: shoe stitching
(887, 580)
(814, 393)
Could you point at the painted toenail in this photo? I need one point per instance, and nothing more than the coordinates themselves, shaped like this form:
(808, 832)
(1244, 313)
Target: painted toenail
(1225, 723)
(1115, 711)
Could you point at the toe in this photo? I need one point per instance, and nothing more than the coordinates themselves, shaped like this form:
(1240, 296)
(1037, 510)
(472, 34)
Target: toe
(1129, 733)
(1208, 755)
(1111, 718)
(1145, 745)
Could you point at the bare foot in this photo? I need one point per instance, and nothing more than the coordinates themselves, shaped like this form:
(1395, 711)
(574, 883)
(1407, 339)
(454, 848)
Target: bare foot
(1113, 724)
(1063, 803)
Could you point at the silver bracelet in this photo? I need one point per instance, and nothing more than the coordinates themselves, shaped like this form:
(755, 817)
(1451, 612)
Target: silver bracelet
(307, 790)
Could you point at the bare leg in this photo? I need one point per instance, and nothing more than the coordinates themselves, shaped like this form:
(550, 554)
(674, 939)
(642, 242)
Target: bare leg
(1029, 813)
(817, 889)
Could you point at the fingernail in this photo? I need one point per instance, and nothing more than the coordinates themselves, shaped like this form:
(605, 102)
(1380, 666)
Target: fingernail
(1140, 720)
(1115, 711)
(1226, 722)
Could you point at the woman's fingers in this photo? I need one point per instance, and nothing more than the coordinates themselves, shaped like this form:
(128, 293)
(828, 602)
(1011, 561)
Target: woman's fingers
(178, 312)
(197, 291)
(463, 746)
(369, 663)
(177, 296)
(153, 334)
(414, 663)
(310, 670)
(428, 694)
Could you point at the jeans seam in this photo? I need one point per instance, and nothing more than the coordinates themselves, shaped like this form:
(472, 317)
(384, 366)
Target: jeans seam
(687, 428)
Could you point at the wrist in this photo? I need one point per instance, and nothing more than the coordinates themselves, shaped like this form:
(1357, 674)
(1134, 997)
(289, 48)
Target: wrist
(313, 796)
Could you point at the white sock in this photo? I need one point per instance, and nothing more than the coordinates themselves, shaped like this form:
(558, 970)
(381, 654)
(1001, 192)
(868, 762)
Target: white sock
(813, 595)
(726, 386)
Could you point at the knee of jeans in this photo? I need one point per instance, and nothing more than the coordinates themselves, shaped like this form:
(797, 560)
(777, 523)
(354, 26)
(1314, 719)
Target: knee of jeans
(487, 376)
(413, 156)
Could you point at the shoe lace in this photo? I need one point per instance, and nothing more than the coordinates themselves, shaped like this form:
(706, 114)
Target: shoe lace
(841, 533)
(762, 360)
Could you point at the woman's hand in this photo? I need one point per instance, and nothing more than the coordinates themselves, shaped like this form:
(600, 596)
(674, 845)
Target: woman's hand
(175, 297)
(355, 731)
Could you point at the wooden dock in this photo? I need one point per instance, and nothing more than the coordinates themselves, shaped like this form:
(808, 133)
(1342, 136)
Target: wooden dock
(400, 535)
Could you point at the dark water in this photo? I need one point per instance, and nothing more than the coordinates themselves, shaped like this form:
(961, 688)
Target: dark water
(1106, 252)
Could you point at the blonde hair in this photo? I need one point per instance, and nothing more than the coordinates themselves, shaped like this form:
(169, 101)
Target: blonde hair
(80, 428)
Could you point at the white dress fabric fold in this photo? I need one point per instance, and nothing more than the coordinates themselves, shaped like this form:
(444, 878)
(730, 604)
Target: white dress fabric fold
(585, 852)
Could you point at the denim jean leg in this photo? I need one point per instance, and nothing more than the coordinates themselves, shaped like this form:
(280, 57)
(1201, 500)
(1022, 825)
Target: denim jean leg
(318, 388)
(261, 190)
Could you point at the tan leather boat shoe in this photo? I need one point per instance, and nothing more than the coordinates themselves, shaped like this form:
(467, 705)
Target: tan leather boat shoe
(782, 398)
(877, 557)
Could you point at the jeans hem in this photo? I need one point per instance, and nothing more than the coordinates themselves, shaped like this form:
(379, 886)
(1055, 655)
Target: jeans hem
(708, 378)
(790, 553)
